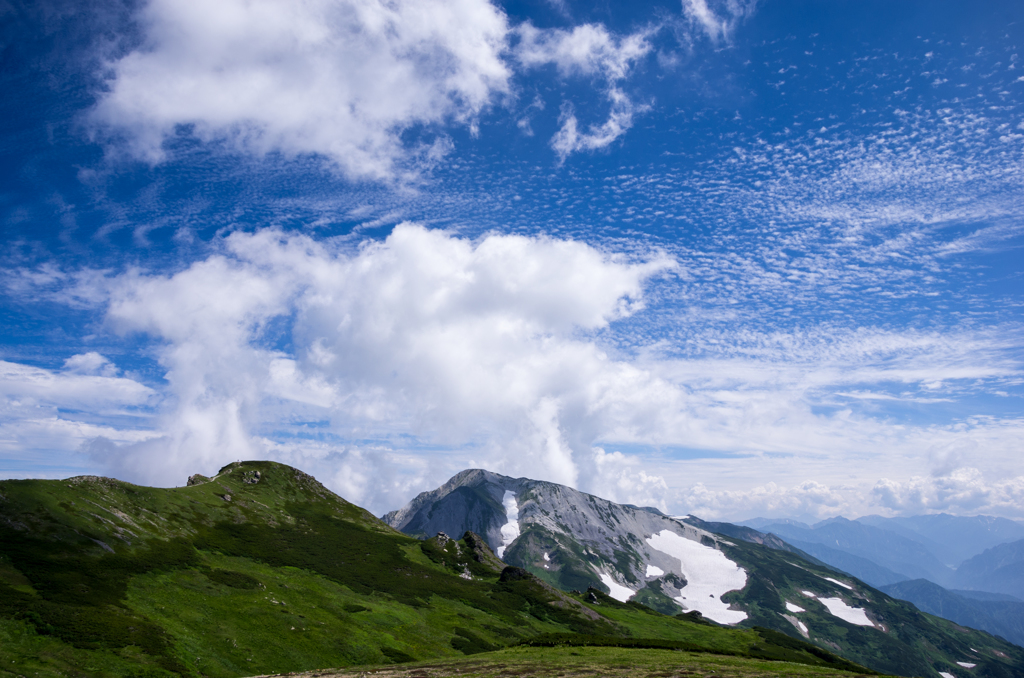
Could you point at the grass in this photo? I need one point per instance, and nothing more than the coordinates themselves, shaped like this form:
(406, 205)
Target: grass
(598, 662)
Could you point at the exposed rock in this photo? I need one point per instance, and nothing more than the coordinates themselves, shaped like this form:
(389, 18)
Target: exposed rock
(552, 519)
(251, 477)
(482, 553)
(197, 479)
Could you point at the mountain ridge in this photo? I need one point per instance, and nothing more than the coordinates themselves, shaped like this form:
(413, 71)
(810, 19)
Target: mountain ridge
(737, 576)
(263, 570)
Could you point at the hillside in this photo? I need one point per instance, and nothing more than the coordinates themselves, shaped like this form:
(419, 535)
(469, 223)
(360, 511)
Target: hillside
(262, 570)
(743, 579)
(1003, 618)
(999, 569)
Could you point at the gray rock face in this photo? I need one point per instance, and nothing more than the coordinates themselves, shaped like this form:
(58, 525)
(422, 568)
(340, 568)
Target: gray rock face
(571, 539)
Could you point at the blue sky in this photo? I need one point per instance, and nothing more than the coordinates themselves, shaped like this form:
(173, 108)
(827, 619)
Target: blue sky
(729, 258)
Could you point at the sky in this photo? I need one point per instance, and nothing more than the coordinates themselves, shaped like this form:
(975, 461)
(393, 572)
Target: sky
(723, 257)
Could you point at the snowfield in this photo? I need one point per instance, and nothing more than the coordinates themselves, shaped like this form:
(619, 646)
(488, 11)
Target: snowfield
(794, 608)
(510, 530)
(654, 571)
(709, 575)
(839, 608)
(618, 591)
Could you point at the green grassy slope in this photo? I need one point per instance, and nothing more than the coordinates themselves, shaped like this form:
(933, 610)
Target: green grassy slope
(234, 577)
(593, 662)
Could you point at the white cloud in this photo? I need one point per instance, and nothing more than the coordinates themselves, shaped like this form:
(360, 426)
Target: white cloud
(90, 363)
(49, 414)
(425, 334)
(718, 25)
(428, 353)
(341, 80)
(588, 50)
(962, 490)
(75, 388)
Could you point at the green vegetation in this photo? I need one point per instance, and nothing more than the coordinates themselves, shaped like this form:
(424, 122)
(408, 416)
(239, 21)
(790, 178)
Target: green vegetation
(594, 662)
(245, 574)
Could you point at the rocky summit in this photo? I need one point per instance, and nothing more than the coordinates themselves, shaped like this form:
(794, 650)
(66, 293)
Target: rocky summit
(728, 574)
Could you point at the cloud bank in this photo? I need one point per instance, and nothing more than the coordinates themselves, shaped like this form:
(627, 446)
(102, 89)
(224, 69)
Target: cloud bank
(388, 367)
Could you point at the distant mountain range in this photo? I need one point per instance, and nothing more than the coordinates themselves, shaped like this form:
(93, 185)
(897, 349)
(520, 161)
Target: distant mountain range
(1002, 616)
(979, 553)
(876, 555)
(969, 570)
(733, 575)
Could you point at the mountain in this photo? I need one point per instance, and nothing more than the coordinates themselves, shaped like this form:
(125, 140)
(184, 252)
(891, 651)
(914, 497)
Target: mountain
(999, 569)
(897, 554)
(952, 539)
(861, 568)
(262, 570)
(745, 578)
(1000, 618)
(986, 595)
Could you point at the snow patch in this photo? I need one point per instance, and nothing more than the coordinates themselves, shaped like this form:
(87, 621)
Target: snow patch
(794, 608)
(708, 573)
(510, 530)
(547, 558)
(618, 591)
(946, 675)
(839, 608)
(967, 665)
(836, 581)
(809, 594)
(654, 571)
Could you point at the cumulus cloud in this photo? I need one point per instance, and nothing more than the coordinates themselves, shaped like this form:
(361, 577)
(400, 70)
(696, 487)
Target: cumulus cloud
(588, 50)
(90, 363)
(961, 490)
(342, 80)
(425, 333)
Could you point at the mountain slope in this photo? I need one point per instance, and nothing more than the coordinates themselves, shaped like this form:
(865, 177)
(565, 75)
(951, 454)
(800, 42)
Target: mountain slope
(999, 569)
(571, 540)
(262, 570)
(1001, 618)
(861, 568)
(892, 551)
(952, 539)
